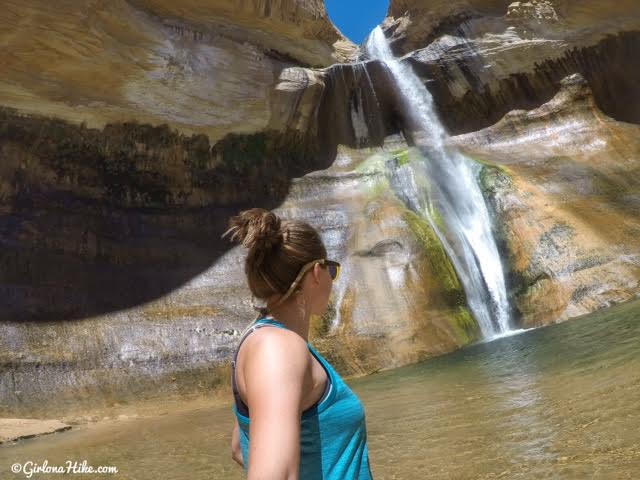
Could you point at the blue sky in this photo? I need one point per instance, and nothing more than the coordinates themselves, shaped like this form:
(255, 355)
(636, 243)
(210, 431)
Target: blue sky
(356, 18)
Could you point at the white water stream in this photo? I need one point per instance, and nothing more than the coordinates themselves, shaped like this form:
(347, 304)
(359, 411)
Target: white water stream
(452, 200)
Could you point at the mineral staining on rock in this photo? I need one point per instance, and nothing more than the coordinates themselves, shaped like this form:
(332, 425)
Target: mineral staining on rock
(567, 203)
(482, 59)
(127, 141)
(399, 298)
(140, 127)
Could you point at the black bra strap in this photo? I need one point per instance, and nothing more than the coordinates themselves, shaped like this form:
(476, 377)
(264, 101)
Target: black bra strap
(240, 405)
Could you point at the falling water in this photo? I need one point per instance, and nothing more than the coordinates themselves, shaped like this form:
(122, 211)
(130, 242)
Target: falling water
(358, 120)
(452, 202)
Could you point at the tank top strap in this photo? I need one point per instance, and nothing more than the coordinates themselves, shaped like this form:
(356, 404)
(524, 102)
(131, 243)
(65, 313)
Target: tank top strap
(327, 366)
(259, 323)
(270, 321)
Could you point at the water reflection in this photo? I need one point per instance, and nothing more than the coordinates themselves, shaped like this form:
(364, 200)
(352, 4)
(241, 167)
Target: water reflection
(559, 402)
(518, 387)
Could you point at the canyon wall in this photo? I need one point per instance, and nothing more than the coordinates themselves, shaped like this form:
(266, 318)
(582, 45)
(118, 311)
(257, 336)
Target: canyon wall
(130, 131)
(544, 93)
(564, 183)
(483, 59)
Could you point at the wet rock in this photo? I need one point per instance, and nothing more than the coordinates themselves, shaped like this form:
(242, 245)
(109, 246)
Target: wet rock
(101, 220)
(562, 184)
(348, 105)
(12, 429)
(382, 248)
(399, 303)
(126, 146)
(398, 298)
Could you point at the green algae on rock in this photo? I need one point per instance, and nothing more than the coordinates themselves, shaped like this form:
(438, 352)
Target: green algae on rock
(563, 200)
(156, 123)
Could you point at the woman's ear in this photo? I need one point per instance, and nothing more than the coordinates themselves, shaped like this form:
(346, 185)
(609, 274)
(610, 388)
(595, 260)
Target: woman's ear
(317, 268)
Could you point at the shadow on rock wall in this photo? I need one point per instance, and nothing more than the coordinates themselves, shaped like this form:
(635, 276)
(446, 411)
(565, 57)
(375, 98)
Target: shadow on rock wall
(93, 221)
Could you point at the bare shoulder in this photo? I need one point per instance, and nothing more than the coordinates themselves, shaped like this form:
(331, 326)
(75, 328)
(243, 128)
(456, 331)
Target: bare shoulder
(274, 371)
(275, 351)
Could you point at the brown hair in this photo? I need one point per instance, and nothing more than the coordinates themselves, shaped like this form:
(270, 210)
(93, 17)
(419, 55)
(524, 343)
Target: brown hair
(278, 249)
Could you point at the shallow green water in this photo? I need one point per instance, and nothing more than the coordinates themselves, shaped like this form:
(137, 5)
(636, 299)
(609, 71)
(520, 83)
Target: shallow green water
(559, 402)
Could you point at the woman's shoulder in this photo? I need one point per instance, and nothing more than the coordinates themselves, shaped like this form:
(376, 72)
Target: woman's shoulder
(271, 335)
(274, 347)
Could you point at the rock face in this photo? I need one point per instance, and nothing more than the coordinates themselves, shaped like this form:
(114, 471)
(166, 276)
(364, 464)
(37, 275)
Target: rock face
(482, 59)
(566, 196)
(127, 143)
(564, 192)
(203, 67)
(131, 131)
(124, 137)
(300, 30)
(20, 428)
(398, 301)
(126, 130)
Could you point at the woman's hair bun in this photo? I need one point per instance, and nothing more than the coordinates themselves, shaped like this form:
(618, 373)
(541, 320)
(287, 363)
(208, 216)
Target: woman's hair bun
(277, 249)
(256, 229)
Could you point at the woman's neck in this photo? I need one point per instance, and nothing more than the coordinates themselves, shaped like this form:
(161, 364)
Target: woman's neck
(292, 317)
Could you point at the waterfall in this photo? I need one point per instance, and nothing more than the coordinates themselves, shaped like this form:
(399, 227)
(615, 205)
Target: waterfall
(358, 120)
(452, 202)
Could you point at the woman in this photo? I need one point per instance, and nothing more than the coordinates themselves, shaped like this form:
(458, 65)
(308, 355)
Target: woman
(295, 416)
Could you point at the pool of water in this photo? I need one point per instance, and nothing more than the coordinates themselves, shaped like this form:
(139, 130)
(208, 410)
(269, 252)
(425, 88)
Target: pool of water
(557, 402)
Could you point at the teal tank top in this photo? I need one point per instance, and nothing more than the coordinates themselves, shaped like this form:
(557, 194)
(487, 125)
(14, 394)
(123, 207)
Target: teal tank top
(333, 435)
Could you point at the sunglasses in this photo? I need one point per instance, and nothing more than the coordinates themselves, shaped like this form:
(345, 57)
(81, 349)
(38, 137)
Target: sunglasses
(332, 267)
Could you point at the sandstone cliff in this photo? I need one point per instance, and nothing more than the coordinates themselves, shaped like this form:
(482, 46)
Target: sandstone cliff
(129, 133)
(203, 67)
(485, 58)
(131, 130)
(566, 197)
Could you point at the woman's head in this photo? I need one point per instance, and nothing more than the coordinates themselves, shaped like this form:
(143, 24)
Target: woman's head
(278, 250)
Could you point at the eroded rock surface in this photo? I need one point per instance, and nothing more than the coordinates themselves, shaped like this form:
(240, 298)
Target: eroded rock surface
(203, 67)
(398, 301)
(482, 59)
(12, 429)
(131, 131)
(125, 136)
(567, 198)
